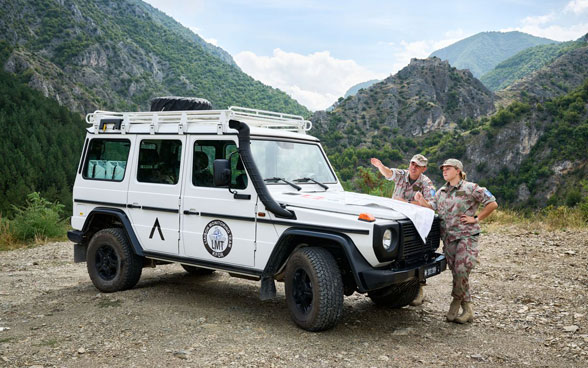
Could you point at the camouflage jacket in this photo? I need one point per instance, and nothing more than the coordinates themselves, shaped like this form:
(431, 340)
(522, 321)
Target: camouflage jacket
(405, 190)
(452, 202)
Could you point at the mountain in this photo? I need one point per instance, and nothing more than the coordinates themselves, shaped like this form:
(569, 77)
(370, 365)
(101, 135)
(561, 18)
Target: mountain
(119, 54)
(426, 96)
(531, 152)
(564, 74)
(353, 90)
(534, 154)
(481, 52)
(526, 62)
(40, 145)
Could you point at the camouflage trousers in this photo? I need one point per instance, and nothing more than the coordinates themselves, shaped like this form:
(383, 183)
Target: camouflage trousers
(462, 257)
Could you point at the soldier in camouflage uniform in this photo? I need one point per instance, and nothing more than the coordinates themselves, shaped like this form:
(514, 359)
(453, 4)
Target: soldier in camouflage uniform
(407, 184)
(456, 204)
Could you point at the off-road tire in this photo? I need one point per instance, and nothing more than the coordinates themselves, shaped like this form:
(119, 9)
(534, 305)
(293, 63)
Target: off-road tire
(193, 270)
(396, 296)
(176, 103)
(314, 289)
(112, 263)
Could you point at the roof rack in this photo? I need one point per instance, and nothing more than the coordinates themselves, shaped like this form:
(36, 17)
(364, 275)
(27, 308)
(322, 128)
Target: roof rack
(181, 122)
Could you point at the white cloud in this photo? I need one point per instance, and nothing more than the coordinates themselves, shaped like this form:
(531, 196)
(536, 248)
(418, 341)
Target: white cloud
(554, 25)
(316, 80)
(422, 49)
(576, 6)
(212, 41)
(538, 20)
(553, 32)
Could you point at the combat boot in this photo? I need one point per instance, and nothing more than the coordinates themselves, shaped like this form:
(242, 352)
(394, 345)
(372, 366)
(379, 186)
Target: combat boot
(467, 315)
(419, 298)
(453, 309)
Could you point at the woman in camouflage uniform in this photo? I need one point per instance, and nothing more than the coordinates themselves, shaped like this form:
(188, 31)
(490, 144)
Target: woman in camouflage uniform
(456, 204)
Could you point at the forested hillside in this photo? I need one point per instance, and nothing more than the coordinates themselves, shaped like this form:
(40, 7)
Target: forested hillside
(561, 76)
(40, 145)
(531, 152)
(526, 62)
(120, 54)
(481, 52)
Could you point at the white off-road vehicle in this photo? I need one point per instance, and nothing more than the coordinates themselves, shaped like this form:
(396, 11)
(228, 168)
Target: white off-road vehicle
(247, 192)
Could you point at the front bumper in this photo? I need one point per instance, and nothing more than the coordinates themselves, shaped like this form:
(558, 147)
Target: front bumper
(75, 236)
(379, 278)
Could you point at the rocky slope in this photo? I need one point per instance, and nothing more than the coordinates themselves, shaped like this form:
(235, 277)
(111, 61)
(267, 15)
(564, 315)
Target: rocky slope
(525, 63)
(427, 95)
(561, 76)
(118, 55)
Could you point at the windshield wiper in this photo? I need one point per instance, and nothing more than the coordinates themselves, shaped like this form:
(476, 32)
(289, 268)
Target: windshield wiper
(303, 180)
(275, 179)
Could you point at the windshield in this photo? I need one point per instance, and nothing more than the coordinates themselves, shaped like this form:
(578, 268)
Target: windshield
(291, 161)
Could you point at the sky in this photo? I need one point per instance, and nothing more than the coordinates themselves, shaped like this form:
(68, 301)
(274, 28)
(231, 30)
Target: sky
(316, 50)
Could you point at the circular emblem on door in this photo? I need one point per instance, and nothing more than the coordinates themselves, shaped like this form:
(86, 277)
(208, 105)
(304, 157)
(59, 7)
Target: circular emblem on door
(217, 238)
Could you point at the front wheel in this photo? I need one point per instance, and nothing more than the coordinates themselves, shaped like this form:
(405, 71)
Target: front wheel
(314, 289)
(396, 296)
(112, 263)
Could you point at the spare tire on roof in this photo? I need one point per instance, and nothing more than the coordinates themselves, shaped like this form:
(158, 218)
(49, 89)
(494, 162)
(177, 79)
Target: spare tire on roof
(174, 103)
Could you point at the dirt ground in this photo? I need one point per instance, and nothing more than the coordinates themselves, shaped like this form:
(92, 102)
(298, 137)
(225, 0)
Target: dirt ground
(530, 299)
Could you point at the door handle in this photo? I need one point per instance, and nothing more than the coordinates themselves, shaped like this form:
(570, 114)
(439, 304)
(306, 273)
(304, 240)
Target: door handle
(190, 212)
(133, 205)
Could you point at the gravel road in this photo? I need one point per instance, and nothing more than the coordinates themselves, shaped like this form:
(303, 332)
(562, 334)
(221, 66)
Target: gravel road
(530, 299)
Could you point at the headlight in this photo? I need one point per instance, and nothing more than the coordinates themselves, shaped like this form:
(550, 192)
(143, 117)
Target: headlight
(387, 239)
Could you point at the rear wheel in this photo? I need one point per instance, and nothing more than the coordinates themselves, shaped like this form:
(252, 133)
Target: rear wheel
(193, 270)
(314, 289)
(111, 261)
(396, 296)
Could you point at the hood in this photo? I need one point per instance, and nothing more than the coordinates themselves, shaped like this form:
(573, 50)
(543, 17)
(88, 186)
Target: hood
(355, 203)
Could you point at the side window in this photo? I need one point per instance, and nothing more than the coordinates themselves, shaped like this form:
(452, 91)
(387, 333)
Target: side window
(205, 152)
(159, 161)
(107, 159)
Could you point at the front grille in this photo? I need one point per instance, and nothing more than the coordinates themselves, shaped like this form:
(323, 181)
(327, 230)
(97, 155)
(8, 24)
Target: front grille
(412, 247)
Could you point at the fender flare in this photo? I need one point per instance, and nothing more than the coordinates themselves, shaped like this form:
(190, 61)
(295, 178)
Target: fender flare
(124, 219)
(285, 246)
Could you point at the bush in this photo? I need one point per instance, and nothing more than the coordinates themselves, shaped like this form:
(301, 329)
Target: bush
(37, 219)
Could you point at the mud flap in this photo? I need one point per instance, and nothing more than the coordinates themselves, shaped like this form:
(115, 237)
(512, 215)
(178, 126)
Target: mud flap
(80, 253)
(267, 290)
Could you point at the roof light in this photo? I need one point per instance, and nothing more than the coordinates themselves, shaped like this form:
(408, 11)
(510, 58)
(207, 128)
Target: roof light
(366, 217)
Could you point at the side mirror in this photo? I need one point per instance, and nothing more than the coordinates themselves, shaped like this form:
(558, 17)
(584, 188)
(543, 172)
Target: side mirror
(222, 172)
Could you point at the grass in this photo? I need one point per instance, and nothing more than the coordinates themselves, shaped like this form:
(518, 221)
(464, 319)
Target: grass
(549, 218)
(37, 222)
(51, 343)
(106, 303)
(8, 240)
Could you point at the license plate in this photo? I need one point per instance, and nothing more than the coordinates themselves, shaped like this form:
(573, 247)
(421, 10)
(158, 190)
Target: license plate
(432, 271)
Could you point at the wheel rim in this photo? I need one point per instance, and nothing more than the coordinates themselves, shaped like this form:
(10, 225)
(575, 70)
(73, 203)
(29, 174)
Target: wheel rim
(106, 262)
(302, 291)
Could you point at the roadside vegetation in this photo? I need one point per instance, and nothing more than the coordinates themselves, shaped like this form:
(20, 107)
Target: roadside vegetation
(36, 222)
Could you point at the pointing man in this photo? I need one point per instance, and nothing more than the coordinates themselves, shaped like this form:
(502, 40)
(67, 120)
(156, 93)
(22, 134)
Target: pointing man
(408, 182)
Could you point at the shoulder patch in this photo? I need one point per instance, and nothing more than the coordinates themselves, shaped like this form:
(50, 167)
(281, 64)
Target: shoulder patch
(432, 192)
(487, 192)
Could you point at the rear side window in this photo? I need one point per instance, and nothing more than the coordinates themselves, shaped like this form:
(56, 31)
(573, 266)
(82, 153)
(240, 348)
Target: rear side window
(159, 161)
(107, 159)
